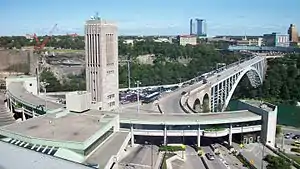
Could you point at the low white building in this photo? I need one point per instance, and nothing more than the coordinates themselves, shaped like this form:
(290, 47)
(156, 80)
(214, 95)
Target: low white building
(187, 40)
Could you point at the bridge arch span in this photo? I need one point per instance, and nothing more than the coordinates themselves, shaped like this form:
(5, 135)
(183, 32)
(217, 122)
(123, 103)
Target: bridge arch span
(206, 103)
(247, 71)
(197, 105)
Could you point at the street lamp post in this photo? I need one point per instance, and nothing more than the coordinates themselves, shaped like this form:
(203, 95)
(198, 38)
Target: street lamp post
(138, 95)
(44, 85)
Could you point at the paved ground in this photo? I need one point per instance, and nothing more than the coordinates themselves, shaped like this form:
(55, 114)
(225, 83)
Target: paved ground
(232, 161)
(193, 161)
(110, 148)
(144, 108)
(178, 164)
(143, 156)
(255, 152)
(213, 164)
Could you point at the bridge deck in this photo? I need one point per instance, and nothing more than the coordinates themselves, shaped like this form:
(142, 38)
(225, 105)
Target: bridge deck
(170, 103)
(17, 90)
(186, 119)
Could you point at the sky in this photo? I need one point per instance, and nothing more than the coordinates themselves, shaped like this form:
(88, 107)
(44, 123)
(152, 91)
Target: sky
(150, 17)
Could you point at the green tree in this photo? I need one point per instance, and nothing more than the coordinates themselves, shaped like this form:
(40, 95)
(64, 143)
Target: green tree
(277, 162)
(54, 84)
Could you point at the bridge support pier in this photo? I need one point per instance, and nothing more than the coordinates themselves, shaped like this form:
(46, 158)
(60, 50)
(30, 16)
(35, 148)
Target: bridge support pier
(33, 113)
(165, 135)
(10, 105)
(23, 114)
(198, 137)
(132, 135)
(230, 135)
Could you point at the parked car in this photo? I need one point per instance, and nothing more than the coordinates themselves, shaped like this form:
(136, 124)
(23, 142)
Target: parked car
(210, 156)
(296, 137)
(288, 135)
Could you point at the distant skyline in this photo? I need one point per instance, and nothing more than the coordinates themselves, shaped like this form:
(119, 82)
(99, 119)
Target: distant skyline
(155, 17)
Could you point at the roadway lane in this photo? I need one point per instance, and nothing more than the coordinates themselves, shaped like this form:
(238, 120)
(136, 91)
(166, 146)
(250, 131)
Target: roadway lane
(170, 103)
(143, 156)
(6, 117)
(193, 161)
(212, 164)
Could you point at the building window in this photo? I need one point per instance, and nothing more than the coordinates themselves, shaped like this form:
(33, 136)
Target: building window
(111, 104)
(110, 72)
(111, 96)
(30, 84)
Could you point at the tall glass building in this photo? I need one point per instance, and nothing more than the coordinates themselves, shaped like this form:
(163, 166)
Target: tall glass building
(198, 27)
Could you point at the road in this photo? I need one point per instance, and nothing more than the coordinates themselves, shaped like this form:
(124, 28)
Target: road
(140, 157)
(144, 108)
(170, 103)
(232, 161)
(255, 152)
(212, 164)
(6, 117)
(193, 161)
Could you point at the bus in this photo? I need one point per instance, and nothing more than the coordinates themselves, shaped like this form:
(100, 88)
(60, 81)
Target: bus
(151, 97)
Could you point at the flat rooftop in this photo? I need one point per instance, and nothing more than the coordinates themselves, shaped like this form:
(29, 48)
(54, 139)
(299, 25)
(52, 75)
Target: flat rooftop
(260, 104)
(28, 159)
(71, 127)
(187, 119)
(17, 90)
(108, 149)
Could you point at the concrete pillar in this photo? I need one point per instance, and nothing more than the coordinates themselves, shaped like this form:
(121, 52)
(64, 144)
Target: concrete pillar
(132, 135)
(33, 113)
(198, 137)
(165, 135)
(10, 105)
(230, 135)
(23, 114)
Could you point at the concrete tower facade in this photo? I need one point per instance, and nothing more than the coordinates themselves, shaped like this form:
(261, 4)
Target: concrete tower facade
(293, 33)
(101, 56)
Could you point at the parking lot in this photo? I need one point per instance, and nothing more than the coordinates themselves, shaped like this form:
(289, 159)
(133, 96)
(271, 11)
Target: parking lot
(147, 95)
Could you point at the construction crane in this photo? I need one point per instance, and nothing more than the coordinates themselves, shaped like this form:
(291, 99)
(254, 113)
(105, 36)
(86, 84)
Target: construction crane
(40, 46)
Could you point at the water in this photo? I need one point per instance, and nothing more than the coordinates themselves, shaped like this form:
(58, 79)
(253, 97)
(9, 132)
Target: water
(287, 114)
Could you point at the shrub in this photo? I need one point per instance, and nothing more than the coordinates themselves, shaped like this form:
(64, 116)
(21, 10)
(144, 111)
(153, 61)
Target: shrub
(172, 148)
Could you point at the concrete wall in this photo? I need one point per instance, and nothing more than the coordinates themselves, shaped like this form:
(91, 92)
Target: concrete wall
(199, 93)
(269, 119)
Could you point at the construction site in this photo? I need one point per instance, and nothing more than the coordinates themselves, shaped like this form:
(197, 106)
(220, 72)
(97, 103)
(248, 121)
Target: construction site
(34, 59)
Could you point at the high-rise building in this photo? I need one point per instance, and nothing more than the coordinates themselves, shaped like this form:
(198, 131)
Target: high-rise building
(276, 39)
(293, 33)
(198, 28)
(191, 27)
(201, 27)
(101, 55)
